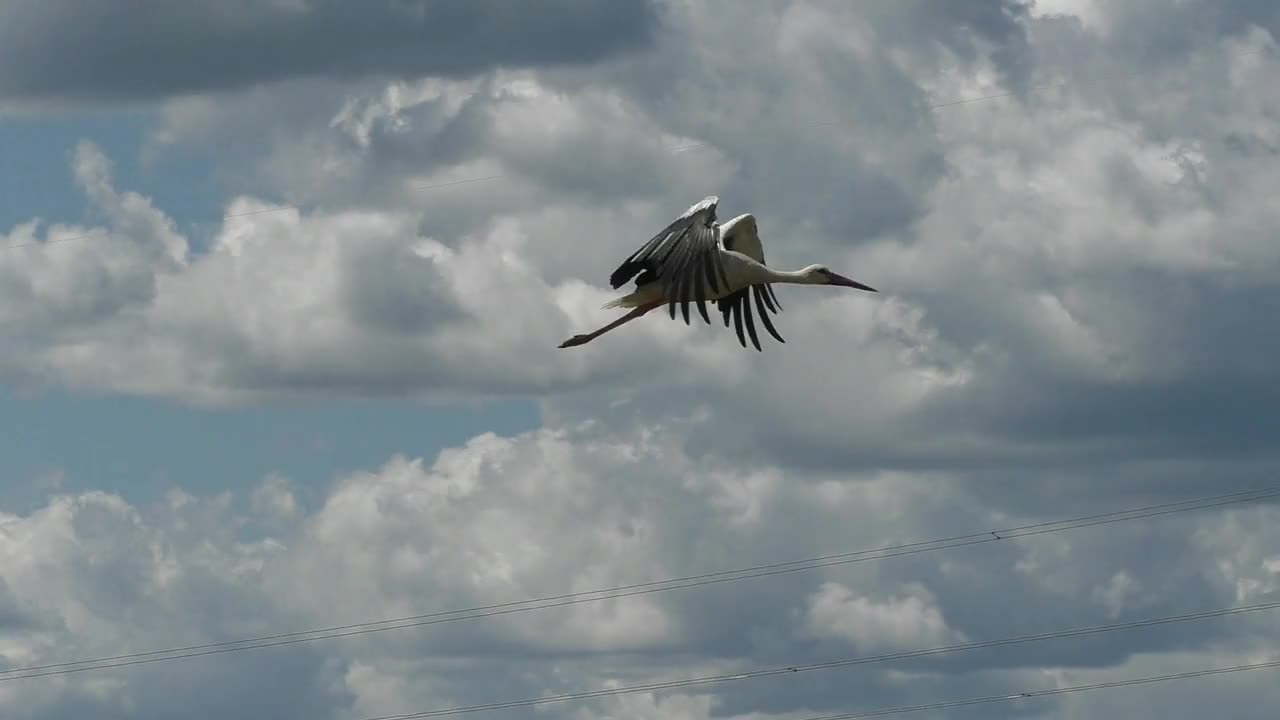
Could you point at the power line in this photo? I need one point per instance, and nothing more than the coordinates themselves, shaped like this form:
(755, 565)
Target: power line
(644, 588)
(1045, 693)
(847, 662)
(678, 149)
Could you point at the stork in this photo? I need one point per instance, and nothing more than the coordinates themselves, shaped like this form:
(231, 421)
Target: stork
(696, 258)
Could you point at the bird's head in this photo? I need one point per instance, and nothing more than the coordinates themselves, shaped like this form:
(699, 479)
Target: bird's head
(822, 275)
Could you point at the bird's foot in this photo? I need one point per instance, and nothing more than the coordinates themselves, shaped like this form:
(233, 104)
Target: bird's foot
(576, 340)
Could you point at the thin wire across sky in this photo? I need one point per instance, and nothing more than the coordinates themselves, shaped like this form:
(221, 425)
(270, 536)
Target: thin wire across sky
(833, 664)
(644, 588)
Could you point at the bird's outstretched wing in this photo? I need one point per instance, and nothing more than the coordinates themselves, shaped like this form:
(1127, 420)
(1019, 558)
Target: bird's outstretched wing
(742, 236)
(685, 256)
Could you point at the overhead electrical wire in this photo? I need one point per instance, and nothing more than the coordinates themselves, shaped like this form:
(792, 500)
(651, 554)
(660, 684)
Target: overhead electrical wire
(1027, 694)
(831, 664)
(644, 588)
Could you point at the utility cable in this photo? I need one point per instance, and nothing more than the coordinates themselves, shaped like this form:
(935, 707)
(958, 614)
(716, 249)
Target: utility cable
(644, 588)
(846, 662)
(1046, 693)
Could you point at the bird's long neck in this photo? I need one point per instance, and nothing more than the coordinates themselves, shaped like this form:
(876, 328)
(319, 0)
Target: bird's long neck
(794, 277)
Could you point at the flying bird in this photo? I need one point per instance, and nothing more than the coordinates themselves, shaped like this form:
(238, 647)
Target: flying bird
(697, 259)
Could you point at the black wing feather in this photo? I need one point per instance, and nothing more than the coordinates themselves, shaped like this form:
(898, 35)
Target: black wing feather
(738, 307)
(685, 256)
(762, 300)
(737, 321)
(751, 325)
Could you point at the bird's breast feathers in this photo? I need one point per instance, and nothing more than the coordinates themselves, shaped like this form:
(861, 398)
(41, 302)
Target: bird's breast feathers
(742, 270)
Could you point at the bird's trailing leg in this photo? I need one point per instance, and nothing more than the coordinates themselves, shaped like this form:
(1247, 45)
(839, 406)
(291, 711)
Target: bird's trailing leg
(583, 339)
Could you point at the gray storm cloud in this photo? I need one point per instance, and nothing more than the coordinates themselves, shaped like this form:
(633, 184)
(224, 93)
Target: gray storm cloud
(147, 49)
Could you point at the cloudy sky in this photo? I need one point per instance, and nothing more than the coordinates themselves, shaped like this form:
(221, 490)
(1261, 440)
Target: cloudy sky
(281, 284)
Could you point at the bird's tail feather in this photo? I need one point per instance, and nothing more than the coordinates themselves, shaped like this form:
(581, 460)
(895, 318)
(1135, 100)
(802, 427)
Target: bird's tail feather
(624, 301)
